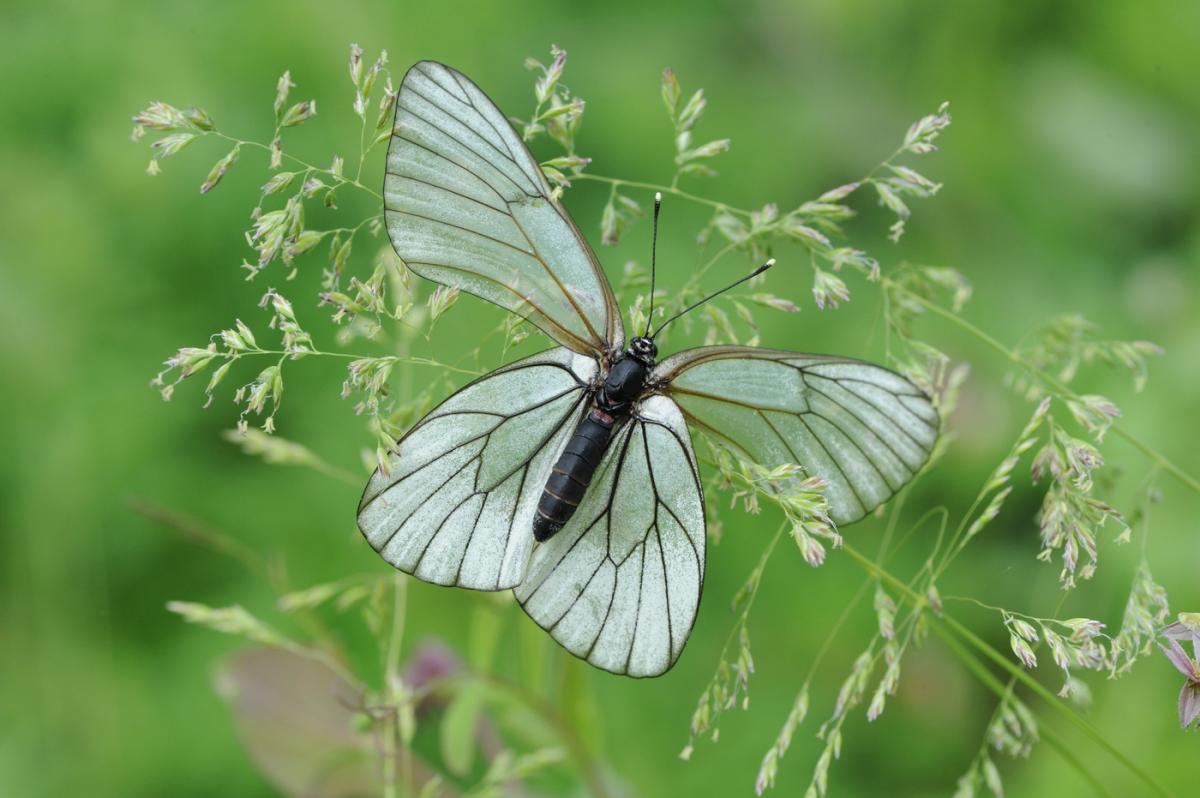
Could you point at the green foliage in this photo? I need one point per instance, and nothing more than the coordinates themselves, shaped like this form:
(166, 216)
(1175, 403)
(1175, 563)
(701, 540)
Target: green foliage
(1039, 214)
(1069, 517)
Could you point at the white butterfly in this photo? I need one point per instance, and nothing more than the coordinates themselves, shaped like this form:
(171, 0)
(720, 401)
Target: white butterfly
(569, 476)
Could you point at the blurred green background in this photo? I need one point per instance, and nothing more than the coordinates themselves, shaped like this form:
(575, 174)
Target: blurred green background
(1070, 185)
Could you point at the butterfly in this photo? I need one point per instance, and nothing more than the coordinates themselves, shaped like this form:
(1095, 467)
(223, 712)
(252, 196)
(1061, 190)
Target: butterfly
(569, 476)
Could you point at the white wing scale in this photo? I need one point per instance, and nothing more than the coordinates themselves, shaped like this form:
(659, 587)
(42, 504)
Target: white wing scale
(456, 507)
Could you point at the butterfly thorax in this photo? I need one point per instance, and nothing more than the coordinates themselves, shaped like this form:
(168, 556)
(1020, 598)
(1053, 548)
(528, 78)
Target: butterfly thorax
(572, 473)
(625, 381)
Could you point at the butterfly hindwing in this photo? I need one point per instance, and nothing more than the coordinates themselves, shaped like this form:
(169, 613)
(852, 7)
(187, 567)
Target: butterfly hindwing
(862, 427)
(457, 503)
(620, 584)
(466, 205)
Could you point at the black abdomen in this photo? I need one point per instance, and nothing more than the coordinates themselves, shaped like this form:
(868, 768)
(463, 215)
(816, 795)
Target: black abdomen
(572, 474)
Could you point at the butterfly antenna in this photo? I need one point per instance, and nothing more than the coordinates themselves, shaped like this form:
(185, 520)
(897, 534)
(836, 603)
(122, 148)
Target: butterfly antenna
(653, 257)
(734, 284)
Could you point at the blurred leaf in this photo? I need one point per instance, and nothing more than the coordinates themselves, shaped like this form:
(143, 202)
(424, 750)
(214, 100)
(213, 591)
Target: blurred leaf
(459, 726)
(296, 719)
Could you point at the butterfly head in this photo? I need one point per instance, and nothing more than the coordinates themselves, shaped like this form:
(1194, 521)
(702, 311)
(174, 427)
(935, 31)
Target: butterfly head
(643, 349)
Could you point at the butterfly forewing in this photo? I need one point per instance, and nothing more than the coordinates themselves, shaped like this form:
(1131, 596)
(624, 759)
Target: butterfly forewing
(466, 205)
(862, 427)
(456, 504)
(620, 584)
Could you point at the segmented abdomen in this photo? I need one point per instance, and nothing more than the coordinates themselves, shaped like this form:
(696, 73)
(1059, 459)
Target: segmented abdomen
(572, 474)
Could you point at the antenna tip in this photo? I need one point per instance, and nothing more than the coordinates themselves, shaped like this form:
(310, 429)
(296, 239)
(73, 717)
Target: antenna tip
(763, 268)
(658, 196)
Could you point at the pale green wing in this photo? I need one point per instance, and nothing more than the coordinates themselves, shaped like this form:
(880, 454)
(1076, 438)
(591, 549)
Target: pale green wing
(456, 506)
(467, 206)
(864, 428)
(620, 584)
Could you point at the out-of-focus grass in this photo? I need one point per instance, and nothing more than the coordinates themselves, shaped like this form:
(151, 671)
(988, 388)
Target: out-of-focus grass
(1071, 184)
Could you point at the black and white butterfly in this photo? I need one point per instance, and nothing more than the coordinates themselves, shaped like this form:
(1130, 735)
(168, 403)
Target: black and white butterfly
(569, 476)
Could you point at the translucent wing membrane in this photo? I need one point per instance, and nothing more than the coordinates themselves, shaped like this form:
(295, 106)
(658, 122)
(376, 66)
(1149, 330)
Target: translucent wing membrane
(467, 205)
(864, 428)
(456, 507)
(620, 583)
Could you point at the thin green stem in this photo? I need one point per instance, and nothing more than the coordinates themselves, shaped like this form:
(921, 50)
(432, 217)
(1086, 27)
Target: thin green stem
(827, 643)
(587, 766)
(1063, 750)
(1062, 709)
(196, 531)
(419, 361)
(870, 176)
(334, 472)
(986, 606)
(852, 604)
(1002, 691)
(1157, 458)
(341, 179)
(957, 540)
(362, 145)
(1004, 611)
(1014, 670)
(353, 230)
(698, 275)
(887, 282)
(617, 182)
(1049, 379)
(397, 763)
(889, 531)
(1147, 503)
(756, 579)
(745, 598)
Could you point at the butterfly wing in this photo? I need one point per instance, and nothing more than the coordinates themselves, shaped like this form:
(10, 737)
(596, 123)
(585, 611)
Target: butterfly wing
(864, 428)
(456, 506)
(466, 205)
(619, 585)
